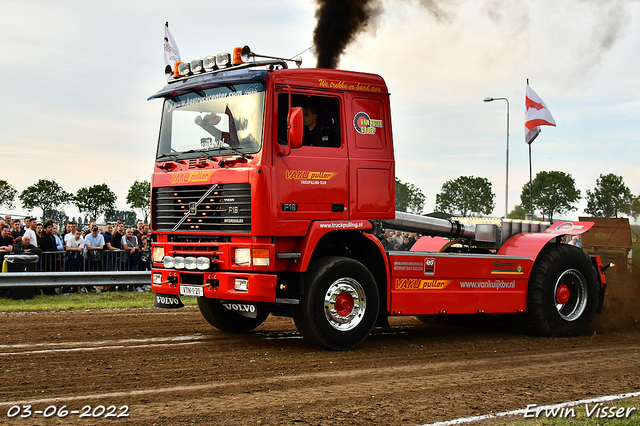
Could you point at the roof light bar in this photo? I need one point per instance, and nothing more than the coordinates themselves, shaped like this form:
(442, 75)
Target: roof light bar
(241, 56)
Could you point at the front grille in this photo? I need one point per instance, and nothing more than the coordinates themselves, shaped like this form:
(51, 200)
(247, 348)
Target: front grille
(203, 208)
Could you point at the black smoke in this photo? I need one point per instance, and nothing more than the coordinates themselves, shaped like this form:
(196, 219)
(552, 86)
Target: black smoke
(339, 21)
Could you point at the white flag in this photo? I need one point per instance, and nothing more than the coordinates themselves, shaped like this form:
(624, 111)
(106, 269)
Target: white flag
(537, 114)
(171, 52)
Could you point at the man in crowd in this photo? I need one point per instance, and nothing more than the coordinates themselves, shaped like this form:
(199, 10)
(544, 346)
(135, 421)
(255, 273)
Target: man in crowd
(138, 229)
(48, 245)
(6, 242)
(131, 245)
(25, 247)
(93, 245)
(75, 247)
(117, 236)
(59, 243)
(16, 229)
(71, 232)
(30, 230)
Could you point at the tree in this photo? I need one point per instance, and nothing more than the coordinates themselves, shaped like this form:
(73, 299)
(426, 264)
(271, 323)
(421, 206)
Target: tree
(7, 194)
(553, 193)
(45, 194)
(139, 198)
(127, 217)
(95, 200)
(59, 217)
(466, 195)
(408, 198)
(520, 212)
(610, 197)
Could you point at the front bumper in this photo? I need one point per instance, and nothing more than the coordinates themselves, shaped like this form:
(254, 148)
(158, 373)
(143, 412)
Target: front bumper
(217, 285)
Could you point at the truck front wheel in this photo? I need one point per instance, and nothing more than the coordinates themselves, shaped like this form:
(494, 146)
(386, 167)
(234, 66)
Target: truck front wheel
(340, 305)
(563, 293)
(231, 322)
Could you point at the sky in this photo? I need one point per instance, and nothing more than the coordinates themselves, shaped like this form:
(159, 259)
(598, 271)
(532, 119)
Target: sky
(76, 77)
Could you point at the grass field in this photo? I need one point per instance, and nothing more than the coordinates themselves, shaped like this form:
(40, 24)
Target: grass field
(81, 301)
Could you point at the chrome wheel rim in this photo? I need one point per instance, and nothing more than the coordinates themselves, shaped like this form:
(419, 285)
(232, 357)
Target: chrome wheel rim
(570, 295)
(345, 304)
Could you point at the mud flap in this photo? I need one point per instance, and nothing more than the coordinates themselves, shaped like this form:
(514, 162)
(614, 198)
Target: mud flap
(167, 301)
(246, 309)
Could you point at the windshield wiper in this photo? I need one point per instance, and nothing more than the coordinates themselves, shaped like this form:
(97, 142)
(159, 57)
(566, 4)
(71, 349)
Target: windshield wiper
(210, 151)
(169, 157)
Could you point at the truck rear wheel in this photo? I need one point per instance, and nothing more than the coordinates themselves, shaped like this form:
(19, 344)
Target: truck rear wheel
(340, 304)
(563, 293)
(225, 320)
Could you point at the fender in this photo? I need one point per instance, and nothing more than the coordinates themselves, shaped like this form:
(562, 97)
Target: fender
(317, 230)
(387, 268)
(530, 244)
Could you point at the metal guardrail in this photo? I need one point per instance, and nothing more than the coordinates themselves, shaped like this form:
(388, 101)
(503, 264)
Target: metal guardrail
(74, 279)
(72, 269)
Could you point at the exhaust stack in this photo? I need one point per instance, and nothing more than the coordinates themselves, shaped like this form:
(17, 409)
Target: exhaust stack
(431, 226)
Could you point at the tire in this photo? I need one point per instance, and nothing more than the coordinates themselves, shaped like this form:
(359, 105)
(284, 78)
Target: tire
(562, 297)
(224, 320)
(340, 304)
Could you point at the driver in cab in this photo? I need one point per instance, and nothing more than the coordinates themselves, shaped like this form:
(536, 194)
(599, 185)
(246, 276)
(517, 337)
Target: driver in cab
(315, 134)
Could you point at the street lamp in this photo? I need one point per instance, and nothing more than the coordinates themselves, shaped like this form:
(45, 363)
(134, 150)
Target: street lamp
(506, 185)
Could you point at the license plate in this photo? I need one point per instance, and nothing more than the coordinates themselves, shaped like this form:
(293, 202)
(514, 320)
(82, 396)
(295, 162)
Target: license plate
(191, 290)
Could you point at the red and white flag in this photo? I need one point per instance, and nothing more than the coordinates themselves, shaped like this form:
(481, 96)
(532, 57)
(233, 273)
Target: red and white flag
(537, 114)
(171, 52)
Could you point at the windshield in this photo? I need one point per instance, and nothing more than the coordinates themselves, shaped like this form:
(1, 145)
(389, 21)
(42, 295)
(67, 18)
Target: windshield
(218, 121)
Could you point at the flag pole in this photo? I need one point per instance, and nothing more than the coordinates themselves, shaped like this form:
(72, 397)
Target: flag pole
(530, 186)
(530, 180)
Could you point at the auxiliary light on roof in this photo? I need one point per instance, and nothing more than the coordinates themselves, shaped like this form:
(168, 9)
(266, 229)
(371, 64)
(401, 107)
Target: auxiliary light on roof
(241, 55)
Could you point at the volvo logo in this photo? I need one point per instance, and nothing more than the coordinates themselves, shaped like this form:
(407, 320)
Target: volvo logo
(193, 208)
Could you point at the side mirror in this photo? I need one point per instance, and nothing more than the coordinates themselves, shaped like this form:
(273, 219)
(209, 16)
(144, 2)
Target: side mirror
(295, 127)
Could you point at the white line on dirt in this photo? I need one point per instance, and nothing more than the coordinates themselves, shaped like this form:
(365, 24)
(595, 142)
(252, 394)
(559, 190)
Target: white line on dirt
(96, 348)
(104, 344)
(522, 411)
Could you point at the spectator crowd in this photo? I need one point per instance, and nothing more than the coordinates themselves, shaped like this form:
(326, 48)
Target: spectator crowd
(117, 247)
(398, 241)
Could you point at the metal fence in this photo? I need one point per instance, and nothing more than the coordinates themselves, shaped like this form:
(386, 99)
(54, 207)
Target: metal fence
(105, 260)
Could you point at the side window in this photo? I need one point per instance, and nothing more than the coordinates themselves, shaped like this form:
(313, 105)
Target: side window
(321, 119)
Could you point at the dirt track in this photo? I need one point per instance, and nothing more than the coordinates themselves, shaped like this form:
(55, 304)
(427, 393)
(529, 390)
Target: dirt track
(170, 367)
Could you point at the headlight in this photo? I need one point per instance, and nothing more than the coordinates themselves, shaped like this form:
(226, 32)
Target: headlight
(178, 262)
(157, 278)
(189, 262)
(158, 253)
(203, 263)
(168, 262)
(243, 257)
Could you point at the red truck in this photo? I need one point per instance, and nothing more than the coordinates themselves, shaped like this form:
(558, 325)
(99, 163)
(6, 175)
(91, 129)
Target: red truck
(270, 190)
